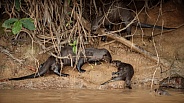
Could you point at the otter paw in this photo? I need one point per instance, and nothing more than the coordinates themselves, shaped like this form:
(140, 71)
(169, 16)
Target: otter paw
(113, 73)
(66, 75)
(82, 71)
(129, 87)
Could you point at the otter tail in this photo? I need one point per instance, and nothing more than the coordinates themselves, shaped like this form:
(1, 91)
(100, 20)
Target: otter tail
(27, 77)
(42, 70)
(143, 25)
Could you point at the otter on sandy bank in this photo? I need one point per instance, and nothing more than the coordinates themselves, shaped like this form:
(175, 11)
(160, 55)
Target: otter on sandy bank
(125, 72)
(118, 13)
(92, 55)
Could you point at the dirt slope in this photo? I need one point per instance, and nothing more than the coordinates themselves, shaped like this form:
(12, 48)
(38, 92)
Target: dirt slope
(169, 45)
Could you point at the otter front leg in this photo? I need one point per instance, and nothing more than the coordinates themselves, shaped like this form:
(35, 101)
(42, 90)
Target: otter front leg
(119, 73)
(128, 82)
(112, 80)
(80, 63)
(95, 62)
(128, 30)
(56, 69)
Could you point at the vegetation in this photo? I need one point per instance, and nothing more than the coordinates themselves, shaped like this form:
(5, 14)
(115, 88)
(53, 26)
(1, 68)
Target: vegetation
(16, 25)
(50, 23)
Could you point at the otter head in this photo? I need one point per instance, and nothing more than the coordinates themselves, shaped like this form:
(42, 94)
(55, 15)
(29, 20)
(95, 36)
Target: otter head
(106, 56)
(96, 23)
(115, 63)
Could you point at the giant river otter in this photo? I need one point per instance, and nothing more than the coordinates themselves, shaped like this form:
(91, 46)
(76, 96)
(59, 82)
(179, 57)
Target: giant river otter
(161, 91)
(125, 72)
(117, 13)
(91, 55)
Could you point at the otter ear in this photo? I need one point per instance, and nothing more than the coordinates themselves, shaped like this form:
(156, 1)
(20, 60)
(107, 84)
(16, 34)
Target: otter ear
(116, 63)
(113, 62)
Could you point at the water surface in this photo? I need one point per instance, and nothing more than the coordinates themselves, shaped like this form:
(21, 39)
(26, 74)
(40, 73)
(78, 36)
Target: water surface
(88, 96)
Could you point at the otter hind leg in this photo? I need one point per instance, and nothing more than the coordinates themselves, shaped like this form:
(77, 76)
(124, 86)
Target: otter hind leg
(80, 63)
(61, 74)
(56, 70)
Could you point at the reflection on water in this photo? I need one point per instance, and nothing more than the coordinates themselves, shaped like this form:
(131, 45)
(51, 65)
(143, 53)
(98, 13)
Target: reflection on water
(87, 96)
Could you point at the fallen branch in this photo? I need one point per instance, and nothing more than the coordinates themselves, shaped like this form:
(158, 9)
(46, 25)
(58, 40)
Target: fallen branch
(177, 68)
(10, 55)
(135, 47)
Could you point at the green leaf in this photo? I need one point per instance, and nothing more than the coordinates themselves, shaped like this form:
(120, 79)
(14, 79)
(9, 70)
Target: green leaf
(69, 2)
(28, 23)
(70, 22)
(17, 4)
(74, 49)
(74, 43)
(69, 13)
(8, 23)
(17, 27)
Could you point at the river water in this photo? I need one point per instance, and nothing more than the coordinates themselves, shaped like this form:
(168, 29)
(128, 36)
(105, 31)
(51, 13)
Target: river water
(89, 96)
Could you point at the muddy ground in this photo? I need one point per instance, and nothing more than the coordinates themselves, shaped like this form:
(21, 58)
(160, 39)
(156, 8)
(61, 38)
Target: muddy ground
(169, 45)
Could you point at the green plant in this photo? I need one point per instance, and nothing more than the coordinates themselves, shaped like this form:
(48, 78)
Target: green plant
(16, 24)
(17, 4)
(74, 46)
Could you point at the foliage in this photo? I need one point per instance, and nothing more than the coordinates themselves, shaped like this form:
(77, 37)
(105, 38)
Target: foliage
(17, 4)
(16, 25)
(74, 46)
(57, 21)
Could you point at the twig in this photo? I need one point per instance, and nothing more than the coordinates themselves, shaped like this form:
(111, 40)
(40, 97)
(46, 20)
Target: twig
(154, 44)
(10, 55)
(108, 43)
